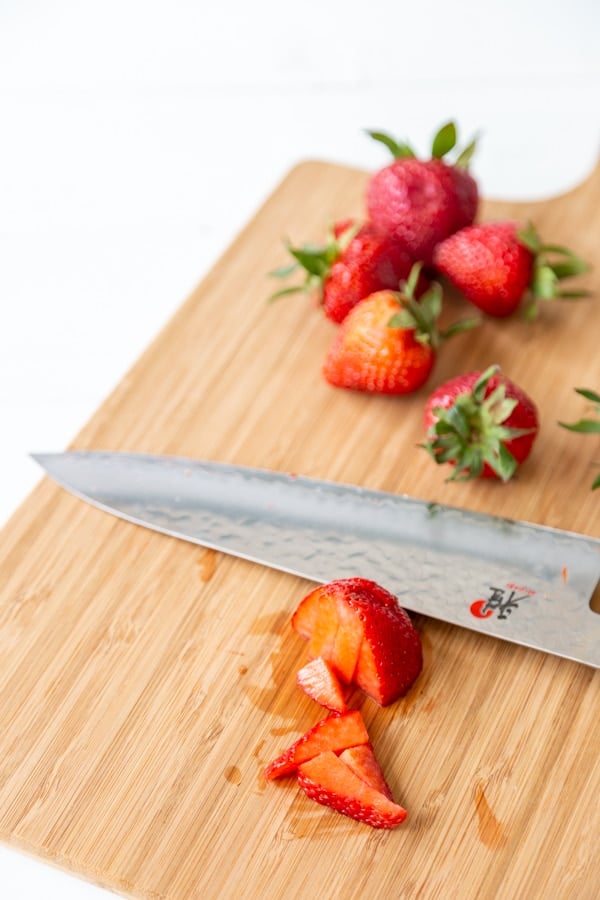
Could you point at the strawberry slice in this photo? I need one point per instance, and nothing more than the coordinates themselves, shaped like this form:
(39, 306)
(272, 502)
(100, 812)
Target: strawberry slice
(322, 639)
(336, 732)
(370, 641)
(364, 763)
(319, 681)
(327, 779)
(332, 628)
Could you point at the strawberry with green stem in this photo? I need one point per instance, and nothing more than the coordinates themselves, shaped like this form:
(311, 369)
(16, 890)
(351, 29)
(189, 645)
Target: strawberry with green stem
(388, 342)
(588, 425)
(482, 423)
(355, 261)
(495, 265)
(422, 202)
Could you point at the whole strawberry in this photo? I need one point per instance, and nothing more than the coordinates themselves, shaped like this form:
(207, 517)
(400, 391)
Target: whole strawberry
(481, 423)
(387, 343)
(356, 261)
(422, 202)
(495, 264)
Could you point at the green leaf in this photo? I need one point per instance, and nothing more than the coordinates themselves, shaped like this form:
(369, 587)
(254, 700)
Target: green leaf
(544, 283)
(444, 140)
(410, 285)
(398, 151)
(529, 237)
(481, 383)
(504, 463)
(431, 302)
(574, 295)
(459, 421)
(592, 396)
(583, 426)
(596, 483)
(458, 327)
(310, 259)
(402, 319)
(503, 408)
(574, 264)
(284, 292)
(569, 268)
(283, 271)
(464, 157)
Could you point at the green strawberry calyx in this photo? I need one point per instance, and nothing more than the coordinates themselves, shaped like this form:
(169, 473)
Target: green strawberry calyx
(443, 142)
(472, 431)
(316, 262)
(422, 314)
(551, 264)
(587, 425)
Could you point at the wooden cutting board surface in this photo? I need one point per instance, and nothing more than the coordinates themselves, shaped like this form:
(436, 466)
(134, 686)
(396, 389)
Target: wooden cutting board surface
(145, 682)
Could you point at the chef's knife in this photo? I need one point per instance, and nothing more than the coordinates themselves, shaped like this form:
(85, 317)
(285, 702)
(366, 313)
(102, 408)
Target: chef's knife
(525, 583)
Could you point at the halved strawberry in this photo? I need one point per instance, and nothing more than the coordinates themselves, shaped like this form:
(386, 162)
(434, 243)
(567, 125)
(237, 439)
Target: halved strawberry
(337, 732)
(329, 781)
(376, 645)
(319, 681)
(331, 627)
(322, 638)
(364, 763)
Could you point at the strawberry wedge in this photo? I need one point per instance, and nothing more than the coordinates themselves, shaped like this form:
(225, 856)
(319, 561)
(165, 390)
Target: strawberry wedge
(337, 732)
(362, 632)
(364, 763)
(319, 681)
(327, 779)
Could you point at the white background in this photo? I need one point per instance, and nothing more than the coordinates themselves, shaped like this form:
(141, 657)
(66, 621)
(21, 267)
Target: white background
(136, 138)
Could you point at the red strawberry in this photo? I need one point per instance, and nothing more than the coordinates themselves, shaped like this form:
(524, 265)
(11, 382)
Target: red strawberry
(422, 202)
(379, 644)
(337, 732)
(329, 781)
(355, 262)
(319, 681)
(495, 264)
(364, 763)
(387, 343)
(482, 423)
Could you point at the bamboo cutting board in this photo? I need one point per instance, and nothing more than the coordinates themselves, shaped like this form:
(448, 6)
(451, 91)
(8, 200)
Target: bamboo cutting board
(146, 682)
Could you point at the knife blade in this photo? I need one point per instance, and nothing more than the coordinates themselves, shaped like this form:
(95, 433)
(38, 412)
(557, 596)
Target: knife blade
(525, 583)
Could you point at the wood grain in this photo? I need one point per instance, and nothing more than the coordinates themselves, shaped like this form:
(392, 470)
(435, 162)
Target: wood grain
(144, 682)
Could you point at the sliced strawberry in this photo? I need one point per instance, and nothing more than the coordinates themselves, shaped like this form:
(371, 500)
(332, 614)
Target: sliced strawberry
(322, 639)
(364, 763)
(331, 627)
(337, 732)
(329, 781)
(348, 640)
(305, 614)
(375, 639)
(319, 681)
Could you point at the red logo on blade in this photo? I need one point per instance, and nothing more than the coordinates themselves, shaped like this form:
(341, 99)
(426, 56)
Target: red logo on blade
(477, 610)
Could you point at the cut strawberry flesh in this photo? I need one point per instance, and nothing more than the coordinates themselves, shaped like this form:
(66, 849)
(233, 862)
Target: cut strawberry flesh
(319, 681)
(348, 640)
(322, 639)
(336, 732)
(364, 763)
(360, 629)
(329, 781)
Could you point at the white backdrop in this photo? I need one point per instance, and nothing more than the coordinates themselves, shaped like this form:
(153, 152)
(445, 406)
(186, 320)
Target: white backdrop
(138, 137)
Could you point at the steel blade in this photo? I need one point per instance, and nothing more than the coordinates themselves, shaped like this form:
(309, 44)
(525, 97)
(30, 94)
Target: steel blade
(521, 582)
